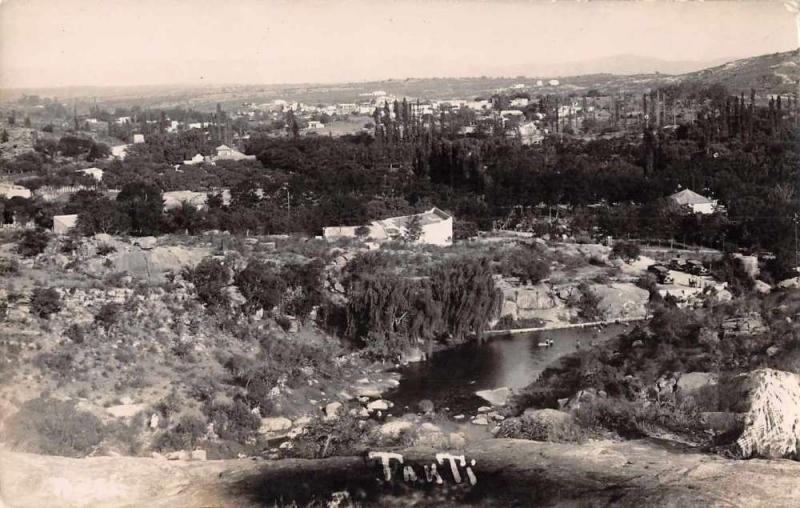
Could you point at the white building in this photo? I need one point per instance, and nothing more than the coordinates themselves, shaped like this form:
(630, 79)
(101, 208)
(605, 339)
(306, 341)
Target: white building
(694, 201)
(553, 82)
(9, 190)
(197, 159)
(119, 151)
(315, 124)
(138, 138)
(530, 134)
(62, 224)
(95, 173)
(226, 153)
(436, 228)
(519, 102)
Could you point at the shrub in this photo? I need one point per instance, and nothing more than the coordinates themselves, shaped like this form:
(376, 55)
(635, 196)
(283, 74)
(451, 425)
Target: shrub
(75, 333)
(533, 429)
(69, 245)
(627, 251)
(44, 302)
(54, 427)
(104, 249)
(261, 285)
(32, 242)
(107, 315)
(183, 436)
(210, 278)
(234, 422)
(343, 436)
(463, 229)
(306, 282)
(527, 264)
(587, 304)
(8, 267)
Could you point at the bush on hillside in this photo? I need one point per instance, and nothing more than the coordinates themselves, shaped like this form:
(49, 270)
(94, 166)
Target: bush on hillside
(54, 427)
(44, 302)
(210, 278)
(32, 242)
(183, 436)
(527, 264)
(107, 315)
(627, 251)
(261, 285)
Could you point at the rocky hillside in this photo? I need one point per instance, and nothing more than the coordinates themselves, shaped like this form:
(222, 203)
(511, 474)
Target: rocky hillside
(778, 73)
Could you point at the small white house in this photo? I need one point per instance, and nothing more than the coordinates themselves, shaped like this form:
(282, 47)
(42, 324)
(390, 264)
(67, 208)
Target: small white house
(694, 201)
(62, 224)
(315, 124)
(197, 159)
(436, 228)
(119, 151)
(224, 152)
(95, 173)
(138, 138)
(10, 190)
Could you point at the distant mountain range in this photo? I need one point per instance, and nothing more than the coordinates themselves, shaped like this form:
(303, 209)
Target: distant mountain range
(767, 74)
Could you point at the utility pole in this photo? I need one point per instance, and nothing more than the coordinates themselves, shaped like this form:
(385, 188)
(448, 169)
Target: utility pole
(796, 252)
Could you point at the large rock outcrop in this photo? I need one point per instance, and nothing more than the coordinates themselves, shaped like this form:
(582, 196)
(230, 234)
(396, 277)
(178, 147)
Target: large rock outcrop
(621, 300)
(595, 473)
(770, 402)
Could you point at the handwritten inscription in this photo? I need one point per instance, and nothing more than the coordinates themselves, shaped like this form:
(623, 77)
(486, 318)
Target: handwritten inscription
(430, 472)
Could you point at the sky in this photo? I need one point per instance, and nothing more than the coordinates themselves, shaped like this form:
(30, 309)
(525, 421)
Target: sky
(51, 43)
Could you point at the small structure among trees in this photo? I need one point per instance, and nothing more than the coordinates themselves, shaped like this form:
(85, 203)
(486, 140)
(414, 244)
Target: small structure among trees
(432, 227)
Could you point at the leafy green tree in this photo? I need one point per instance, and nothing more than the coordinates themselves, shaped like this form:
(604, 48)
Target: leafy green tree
(143, 204)
(261, 285)
(32, 242)
(628, 251)
(210, 278)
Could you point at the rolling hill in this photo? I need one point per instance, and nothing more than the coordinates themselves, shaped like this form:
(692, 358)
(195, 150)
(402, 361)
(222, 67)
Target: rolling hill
(767, 74)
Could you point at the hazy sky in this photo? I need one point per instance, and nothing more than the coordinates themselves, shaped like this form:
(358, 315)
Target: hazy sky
(136, 42)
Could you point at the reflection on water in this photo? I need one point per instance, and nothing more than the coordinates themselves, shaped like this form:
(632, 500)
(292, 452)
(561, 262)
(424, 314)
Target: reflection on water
(451, 378)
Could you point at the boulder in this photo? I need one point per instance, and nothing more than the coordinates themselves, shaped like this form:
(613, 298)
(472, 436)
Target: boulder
(538, 297)
(332, 410)
(770, 402)
(480, 420)
(394, 428)
(793, 283)
(509, 309)
(146, 242)
(693, 381)
(125, 410)
(457, 440)
(762, 287)
(496, 397)
(274, 425)
(378, 405)
(621, 300)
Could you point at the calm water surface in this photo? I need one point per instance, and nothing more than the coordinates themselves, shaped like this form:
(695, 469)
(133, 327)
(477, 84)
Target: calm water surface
(451, 378)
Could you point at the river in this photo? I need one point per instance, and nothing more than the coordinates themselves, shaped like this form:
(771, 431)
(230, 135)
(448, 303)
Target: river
(451, 377)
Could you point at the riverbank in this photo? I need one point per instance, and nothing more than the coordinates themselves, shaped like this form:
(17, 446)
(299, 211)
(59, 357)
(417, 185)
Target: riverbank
(563, 326)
